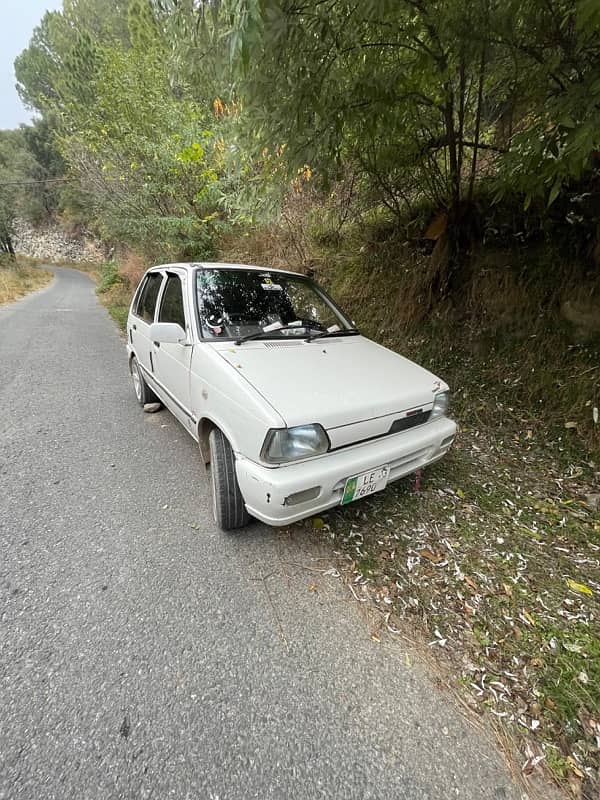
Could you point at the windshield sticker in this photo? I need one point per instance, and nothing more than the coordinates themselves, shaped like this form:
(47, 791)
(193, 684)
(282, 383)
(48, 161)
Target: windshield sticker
(269, 286)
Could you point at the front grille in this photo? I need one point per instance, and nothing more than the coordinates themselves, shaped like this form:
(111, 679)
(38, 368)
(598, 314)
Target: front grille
(396, 427)
(409, 422)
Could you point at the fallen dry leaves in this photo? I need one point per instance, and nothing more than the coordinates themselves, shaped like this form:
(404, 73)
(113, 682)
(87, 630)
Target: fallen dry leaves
(497, 556)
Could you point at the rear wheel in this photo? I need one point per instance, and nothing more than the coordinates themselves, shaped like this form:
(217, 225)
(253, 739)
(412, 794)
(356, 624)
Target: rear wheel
(229, 509)
(143, 392)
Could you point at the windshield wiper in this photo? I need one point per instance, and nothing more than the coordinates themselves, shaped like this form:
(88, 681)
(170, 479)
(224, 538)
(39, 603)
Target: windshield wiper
(260, 334)
(342, 332)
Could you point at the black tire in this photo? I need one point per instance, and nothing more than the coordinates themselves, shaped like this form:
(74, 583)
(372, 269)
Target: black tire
(229, 509)
(143, 392)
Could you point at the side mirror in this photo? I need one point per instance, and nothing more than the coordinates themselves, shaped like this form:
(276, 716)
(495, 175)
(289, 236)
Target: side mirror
(167, 333)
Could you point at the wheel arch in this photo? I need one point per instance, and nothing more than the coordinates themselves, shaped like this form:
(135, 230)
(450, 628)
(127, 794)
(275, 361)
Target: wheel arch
(205, 426)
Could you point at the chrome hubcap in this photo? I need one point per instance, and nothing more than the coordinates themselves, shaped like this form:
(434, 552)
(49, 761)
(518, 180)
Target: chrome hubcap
(137, 382)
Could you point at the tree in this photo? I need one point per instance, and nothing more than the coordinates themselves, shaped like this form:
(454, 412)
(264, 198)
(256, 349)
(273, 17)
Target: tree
(17, 166)
(393, 88)
(553, 71)
(144, 151)
(422, 100)
(140, 146)
(425, 97)
(58, 64)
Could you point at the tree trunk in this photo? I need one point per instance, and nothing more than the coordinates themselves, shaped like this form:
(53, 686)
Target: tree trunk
(7, 246)
(477, 126)
(452, 152)
(446, 283)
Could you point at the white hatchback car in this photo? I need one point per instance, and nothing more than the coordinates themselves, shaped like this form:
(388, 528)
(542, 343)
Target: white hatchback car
(294, 410)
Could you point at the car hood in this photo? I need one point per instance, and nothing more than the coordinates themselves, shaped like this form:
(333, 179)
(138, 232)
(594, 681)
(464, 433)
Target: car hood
(335, 381)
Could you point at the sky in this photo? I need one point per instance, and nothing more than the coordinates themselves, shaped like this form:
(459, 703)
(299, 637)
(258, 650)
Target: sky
(19, 18)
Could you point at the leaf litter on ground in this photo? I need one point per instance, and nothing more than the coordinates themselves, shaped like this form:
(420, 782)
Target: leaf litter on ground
(496, 554)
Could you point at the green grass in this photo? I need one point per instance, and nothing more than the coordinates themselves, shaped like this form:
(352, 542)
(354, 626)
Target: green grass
(109, 277)
(119, 313)
(114, 293)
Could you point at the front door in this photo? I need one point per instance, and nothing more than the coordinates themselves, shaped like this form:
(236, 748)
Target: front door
(172, 361)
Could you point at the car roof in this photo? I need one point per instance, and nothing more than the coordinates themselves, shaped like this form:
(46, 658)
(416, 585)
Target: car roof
(191, 265)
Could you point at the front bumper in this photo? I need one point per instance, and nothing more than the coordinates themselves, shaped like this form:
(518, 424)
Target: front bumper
(265, 489)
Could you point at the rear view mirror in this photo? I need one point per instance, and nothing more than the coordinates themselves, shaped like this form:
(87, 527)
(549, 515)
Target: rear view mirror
(167, 333)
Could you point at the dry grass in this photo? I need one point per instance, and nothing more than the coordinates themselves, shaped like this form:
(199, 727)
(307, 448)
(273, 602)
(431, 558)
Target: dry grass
(18, 281)
(131, 268)
(268, 246)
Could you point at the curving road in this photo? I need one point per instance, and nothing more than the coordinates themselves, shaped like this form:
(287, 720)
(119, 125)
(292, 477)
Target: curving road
(144, 653)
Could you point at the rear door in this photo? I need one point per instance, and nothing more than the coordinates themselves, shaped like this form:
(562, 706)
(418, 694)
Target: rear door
(141, 319)
(172, 361)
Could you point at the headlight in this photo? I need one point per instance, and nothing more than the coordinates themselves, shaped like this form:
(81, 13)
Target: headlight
(291, 444)
(440, 404)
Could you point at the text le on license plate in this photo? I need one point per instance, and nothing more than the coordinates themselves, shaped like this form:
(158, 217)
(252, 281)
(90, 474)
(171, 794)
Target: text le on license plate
(365, 484)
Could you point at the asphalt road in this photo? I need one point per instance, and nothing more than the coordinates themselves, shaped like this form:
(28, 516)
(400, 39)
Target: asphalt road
(146, 654)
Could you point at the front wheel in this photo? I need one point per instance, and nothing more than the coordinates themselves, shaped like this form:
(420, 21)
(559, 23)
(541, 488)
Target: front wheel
(143, 392)
(228, 505)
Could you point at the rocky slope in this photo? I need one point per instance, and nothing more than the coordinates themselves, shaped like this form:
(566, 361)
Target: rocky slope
(53, 243)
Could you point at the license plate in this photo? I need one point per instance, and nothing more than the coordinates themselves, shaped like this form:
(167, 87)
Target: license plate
(365, 484)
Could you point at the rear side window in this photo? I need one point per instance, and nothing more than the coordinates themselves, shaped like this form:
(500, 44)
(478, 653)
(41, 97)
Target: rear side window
(147, 300)
(171, 307)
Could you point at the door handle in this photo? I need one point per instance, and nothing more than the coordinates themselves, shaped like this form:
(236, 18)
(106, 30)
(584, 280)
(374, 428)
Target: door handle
(134, 326)
(156, 344)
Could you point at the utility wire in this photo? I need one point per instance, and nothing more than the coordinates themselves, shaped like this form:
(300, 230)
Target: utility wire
(33, 183)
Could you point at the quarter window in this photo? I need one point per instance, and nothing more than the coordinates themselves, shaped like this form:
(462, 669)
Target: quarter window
(137, 300)
(171, 307)
(147, 302)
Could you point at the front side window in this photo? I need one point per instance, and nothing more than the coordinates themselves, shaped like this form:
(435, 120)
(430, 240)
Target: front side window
(149, 294)
(171, 307)
(234, 303)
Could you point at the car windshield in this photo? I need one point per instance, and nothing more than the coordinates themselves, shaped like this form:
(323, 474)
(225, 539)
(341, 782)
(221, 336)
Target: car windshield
(239, 303)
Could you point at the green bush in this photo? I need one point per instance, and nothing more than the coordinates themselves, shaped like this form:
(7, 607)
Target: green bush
(109, 277)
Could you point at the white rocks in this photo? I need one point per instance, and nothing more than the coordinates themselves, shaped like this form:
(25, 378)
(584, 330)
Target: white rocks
(53, 243)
